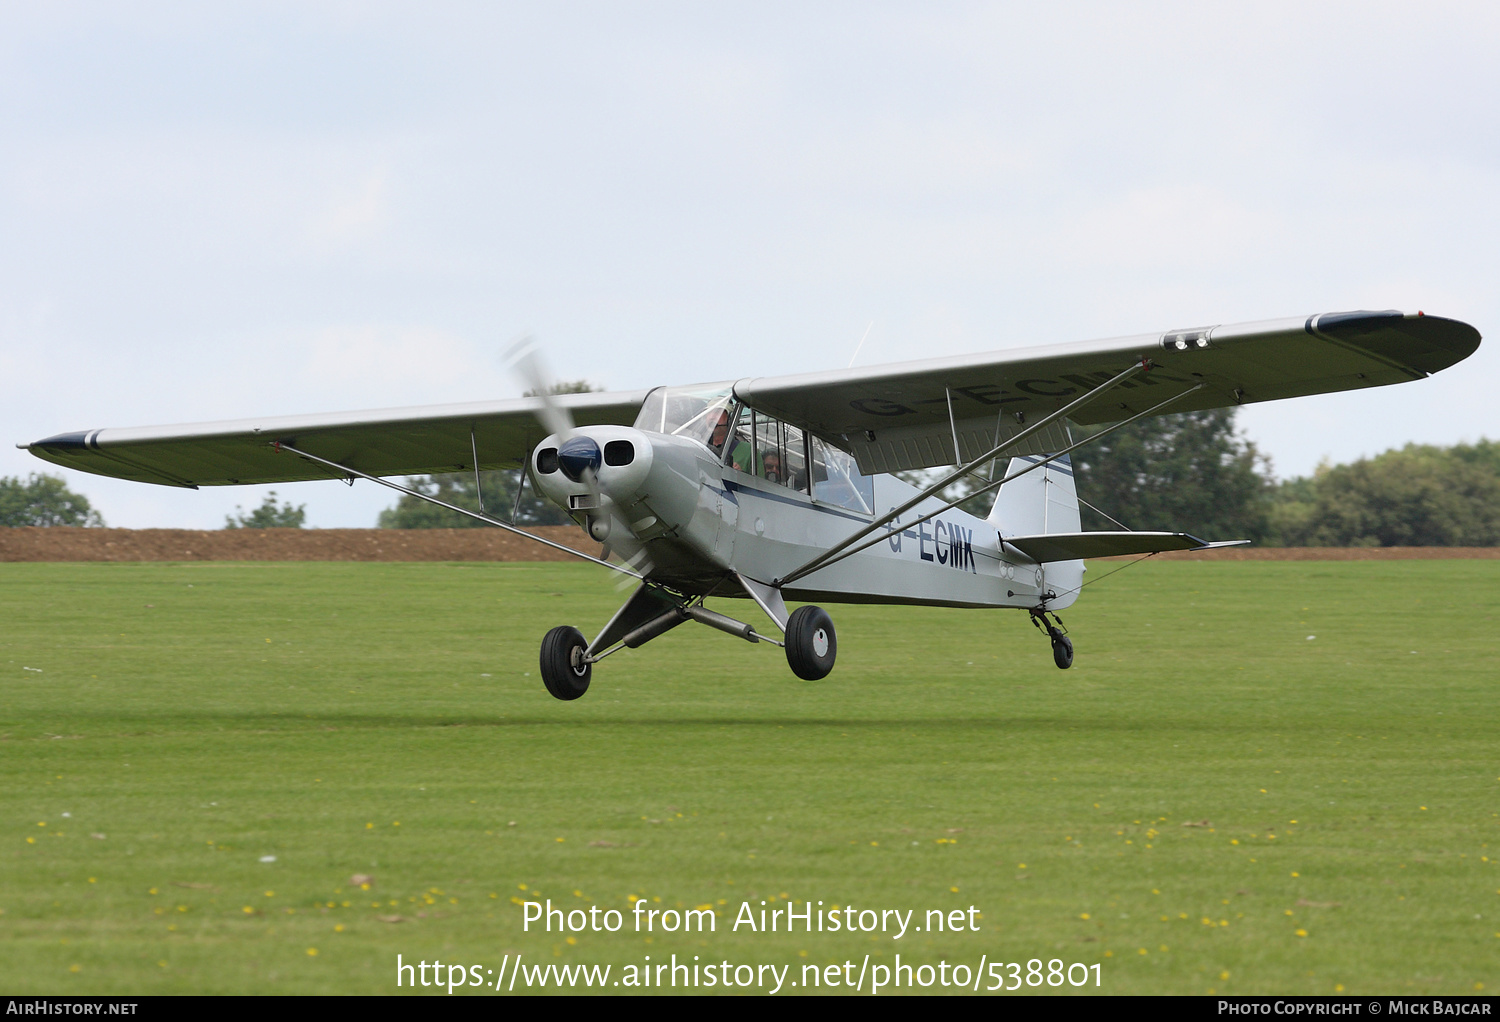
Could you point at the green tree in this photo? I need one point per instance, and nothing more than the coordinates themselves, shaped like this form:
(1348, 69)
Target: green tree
(44, 500)
(458, 489)
(269, 515)
(1419, 495)
(1185, 472)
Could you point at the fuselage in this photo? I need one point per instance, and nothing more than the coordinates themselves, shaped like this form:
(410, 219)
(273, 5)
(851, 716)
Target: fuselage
(681, 512)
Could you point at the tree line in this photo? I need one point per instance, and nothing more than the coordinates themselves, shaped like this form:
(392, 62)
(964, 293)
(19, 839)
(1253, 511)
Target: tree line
(1191, 472)
(1187, 472)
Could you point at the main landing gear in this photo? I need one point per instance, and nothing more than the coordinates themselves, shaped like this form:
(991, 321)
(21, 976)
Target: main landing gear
(567, 658)
(1062, 646)
(811, 644)
(565, 670)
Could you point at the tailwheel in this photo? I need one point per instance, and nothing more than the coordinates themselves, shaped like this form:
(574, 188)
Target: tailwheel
(1062, 651)
(1062, 646)
(565, 672)
(811, 644)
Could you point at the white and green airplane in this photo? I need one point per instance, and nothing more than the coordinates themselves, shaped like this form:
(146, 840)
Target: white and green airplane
(780, 488)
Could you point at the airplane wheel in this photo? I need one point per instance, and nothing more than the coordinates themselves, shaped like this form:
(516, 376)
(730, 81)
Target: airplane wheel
(563, 670)
(811, 643)
(1062, 652)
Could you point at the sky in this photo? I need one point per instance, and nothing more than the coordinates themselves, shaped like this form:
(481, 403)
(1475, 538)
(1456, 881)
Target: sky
(223, 210)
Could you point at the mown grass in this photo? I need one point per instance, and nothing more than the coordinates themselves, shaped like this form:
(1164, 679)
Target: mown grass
(1209, 800)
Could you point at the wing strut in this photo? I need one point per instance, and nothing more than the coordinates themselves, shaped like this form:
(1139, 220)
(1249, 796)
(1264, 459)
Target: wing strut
(474, 449)
(829, 555)
(486, 519)
(1001, 482)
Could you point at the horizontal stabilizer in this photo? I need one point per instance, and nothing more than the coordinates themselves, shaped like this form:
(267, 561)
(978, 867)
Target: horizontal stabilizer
(1072, 546)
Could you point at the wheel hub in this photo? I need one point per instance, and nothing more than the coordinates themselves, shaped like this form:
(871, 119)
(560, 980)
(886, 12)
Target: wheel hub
(820, 642)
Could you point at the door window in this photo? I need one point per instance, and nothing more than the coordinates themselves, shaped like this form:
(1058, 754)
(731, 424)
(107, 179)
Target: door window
(780, 456)
(740, 446)
(836, 479)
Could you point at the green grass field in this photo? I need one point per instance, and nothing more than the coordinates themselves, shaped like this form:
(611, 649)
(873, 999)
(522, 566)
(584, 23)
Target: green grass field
(1210, 800)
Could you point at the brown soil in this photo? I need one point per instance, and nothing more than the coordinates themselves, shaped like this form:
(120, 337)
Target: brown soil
(62, 544)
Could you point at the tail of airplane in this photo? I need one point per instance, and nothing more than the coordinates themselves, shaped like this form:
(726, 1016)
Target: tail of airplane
(1037, 518)
(1043, 502)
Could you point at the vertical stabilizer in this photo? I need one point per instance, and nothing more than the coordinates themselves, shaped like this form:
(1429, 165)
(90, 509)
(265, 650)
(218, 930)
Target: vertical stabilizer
(1043, 501)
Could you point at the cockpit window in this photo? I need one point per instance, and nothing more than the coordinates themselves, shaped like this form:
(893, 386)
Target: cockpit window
(694, 412)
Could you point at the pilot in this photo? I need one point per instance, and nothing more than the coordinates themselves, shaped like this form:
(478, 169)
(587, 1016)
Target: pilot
(720, 432)
(739, 450)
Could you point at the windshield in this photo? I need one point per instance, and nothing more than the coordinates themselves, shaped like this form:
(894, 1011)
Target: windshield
(686, 411)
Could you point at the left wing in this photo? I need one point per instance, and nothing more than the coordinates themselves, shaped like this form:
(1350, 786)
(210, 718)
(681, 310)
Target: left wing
(897, 416)
(386, 442)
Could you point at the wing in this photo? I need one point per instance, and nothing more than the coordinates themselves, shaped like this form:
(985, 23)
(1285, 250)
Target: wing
(897, 416)
(392, 441)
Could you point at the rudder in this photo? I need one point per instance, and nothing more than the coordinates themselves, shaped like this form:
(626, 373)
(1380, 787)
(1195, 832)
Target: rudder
(1043, 501)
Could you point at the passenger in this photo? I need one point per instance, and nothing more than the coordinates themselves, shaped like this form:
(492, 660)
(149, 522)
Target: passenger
(771, 466)
(775, 472)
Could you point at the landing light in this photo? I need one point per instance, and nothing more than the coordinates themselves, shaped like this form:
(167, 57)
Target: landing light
(1186, 340)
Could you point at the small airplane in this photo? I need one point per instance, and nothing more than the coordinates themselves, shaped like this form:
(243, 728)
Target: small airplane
(781, 488)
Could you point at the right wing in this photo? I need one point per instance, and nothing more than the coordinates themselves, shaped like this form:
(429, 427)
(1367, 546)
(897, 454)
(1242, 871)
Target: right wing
(385, 442)
(907, 415)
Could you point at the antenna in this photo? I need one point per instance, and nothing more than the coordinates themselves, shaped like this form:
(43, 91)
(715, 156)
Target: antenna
(861, 344)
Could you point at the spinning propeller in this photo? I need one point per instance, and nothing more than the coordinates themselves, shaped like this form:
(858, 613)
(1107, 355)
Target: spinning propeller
(525, 359)
(578, 455)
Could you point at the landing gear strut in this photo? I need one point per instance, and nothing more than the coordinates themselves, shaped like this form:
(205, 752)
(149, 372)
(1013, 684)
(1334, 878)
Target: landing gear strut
(1062, 646)
(568, 658)
(565, 671)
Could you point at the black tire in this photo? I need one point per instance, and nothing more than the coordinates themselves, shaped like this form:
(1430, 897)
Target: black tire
(562, 649)
(1062, 651)
(808, 631)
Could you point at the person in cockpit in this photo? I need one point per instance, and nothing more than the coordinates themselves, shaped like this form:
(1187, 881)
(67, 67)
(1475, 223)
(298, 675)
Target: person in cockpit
(720, 432)
(773, 471)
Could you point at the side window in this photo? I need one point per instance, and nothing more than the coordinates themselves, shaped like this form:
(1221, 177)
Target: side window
(836, 479)
(738, 451)
(779, 454)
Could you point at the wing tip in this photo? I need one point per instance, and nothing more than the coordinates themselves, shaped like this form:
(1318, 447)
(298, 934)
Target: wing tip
(1428, 344)
(79, 440)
